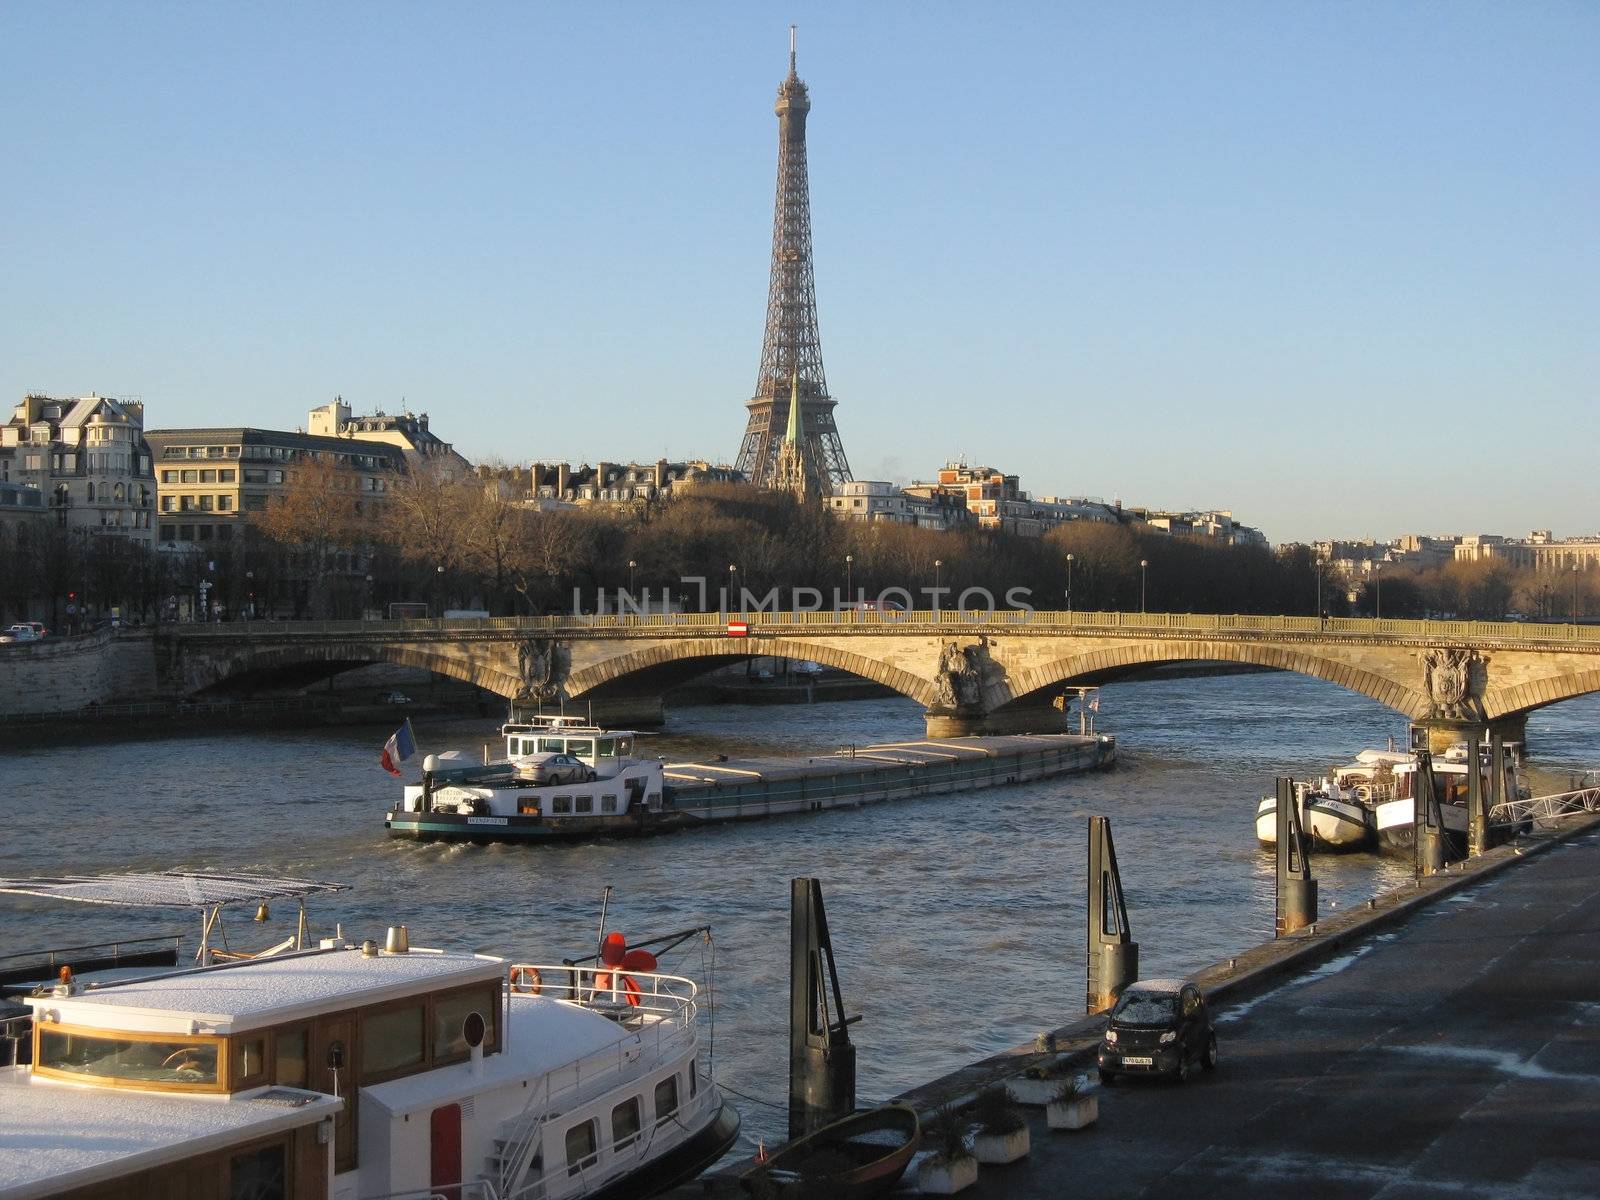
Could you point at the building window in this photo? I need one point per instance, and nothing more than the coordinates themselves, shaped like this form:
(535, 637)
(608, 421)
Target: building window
(169, 533)
(254, 476)
(224, 503)
(208, 476)
(186, 533)
(187, 476)
(226, 475)
(169, 503)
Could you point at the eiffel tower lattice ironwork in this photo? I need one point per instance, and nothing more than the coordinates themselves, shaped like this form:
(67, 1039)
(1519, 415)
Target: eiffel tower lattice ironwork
(791, 354)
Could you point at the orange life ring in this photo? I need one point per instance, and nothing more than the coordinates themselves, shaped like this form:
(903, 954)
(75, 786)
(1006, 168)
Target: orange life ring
(526, 981)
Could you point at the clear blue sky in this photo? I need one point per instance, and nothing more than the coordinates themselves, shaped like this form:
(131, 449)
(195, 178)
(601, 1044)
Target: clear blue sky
(1332, 265)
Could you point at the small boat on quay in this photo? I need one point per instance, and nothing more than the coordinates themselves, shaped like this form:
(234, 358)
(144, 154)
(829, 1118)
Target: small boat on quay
(1333, 817)
(348, 1070)
(563, 779)
(857, 1157)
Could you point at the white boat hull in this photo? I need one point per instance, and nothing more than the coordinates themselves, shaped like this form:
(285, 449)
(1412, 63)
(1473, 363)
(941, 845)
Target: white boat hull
(1396, 822)
(1334, 825)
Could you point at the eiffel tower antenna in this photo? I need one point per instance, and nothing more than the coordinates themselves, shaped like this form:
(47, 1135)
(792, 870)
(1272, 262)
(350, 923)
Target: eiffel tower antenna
(791, 352)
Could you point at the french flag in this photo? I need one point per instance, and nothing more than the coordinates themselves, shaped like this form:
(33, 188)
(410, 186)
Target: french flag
(400, 746)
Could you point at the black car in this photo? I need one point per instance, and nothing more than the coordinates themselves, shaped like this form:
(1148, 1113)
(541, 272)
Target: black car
(1158, 1027)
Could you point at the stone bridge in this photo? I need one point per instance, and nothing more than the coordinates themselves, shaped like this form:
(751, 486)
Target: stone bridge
(972, 671)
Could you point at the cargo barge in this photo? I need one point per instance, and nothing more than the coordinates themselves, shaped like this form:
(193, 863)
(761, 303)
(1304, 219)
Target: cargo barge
(563, 780)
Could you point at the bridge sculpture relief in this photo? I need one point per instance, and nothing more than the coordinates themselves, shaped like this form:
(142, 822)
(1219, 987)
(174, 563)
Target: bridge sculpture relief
(972, 672)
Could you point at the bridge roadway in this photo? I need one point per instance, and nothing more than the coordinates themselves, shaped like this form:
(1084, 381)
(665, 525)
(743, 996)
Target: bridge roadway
(975, 672)
(1455, 1055)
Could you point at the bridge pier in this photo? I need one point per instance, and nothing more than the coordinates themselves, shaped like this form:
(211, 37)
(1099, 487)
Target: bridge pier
(1444, 734)
(1041, 718)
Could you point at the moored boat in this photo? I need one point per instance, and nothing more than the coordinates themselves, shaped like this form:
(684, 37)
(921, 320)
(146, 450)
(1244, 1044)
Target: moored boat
(1333, 819)
(343, 1070)
(859, 1156)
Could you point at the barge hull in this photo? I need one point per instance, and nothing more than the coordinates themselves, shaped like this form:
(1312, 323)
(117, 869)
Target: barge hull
(706, 793)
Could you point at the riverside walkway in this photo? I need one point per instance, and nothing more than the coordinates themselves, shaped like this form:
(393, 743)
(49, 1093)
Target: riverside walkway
(1456, 1053)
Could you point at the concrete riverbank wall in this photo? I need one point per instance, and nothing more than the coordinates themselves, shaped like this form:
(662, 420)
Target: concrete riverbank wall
(61, 674)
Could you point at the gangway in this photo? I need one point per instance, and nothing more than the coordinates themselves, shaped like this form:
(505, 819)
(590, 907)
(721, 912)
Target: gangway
(1546, 808)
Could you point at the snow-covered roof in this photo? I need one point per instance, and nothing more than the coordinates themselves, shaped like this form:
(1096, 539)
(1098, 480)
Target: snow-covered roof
(1156, 985)
(543, 1034)
(58, 1137)
(263, 991)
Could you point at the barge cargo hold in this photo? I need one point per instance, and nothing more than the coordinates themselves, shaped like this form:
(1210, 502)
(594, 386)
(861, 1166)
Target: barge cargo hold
(692, 794)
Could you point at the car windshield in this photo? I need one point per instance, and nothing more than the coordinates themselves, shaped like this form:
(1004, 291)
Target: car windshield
(1145, 1008)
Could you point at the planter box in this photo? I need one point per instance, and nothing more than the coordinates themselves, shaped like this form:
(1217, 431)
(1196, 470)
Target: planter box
(1036, 1092)
(1074, 1114)
(936, 1177)
(997, 1149)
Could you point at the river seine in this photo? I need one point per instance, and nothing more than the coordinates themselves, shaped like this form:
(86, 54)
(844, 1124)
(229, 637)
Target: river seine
(958, 921)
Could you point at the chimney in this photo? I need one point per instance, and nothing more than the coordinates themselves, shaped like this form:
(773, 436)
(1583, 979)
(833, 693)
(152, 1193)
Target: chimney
(563, 479)
(601, 470)
(661, 474)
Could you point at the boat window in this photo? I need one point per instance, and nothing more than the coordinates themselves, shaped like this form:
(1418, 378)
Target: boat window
(580, 1147)
(174, 1065)
(391, 1040)
(249, 1060)
(608, 748)
(561, 804)
(259, 1174)
(608, 804)
(289, 1058)
(450, 1012)
(585, 804)
(582, 747)
(624, 746)
(624, 1123)
(552, 745)
(666, 1097)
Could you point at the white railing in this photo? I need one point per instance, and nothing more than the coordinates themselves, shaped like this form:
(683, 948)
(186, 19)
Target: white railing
(666, 1008)
(1546, 808)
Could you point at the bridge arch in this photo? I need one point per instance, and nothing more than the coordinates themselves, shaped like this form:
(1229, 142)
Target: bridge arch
(216, 670)
(1030, 686)
(652, 665)
(1538, 693)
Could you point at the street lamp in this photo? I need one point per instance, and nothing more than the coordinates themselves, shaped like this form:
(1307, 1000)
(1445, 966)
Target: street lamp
(1069, 583)
(1574, 593)
(438, 591)
(369, 594)
(849, 578)
(1319, 589)
(1377, 587)
(733, 571)
(937, 563)
(250, 591)
(1144, 564)
(631, 566)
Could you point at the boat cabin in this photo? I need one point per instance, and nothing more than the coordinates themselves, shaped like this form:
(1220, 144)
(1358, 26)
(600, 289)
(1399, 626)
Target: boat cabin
(567, 735)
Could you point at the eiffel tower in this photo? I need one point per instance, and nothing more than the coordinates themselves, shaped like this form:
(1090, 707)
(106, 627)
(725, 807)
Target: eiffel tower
(791, 353)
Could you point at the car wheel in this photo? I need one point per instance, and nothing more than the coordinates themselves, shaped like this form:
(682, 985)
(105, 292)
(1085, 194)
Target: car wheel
(1107, 1078)
(1209, 1062)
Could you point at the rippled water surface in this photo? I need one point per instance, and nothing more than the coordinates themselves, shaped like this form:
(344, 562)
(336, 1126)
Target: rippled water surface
(957, 920)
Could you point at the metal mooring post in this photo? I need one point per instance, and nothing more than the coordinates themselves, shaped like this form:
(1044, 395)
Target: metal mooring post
(1297, 891)
(1477, 810)
(1499, 793)
(822, 1061)
(1113, 957)
(1430, 837)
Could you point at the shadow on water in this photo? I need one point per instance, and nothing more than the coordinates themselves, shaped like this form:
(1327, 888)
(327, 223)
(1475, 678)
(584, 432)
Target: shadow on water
(958, 919)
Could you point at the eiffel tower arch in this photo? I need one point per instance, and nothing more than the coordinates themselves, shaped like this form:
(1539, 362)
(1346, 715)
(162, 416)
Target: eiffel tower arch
(791, 352)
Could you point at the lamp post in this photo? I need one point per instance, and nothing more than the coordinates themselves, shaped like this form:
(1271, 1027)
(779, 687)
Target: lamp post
(250, 591)
(1144, 565)
(631, 567)
(438, 591)
(1574, 593)
(367, 606)
(1377, 587)
(937, 563)
(1319, 589)
(849, 578)
(733, 572)
(1069, 583)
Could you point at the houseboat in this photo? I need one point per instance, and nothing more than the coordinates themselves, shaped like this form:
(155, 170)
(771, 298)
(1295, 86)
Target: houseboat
(346, 1071)
(562, 779)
